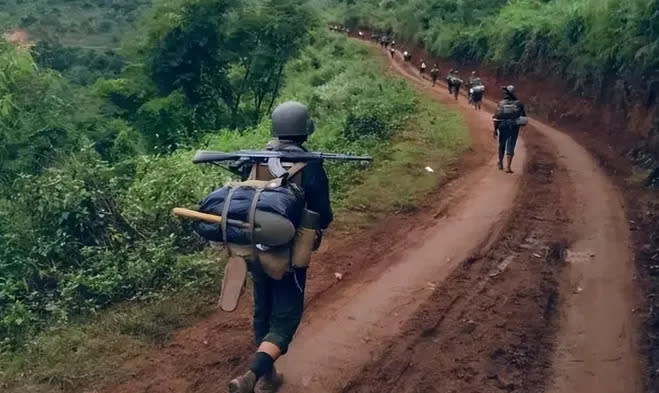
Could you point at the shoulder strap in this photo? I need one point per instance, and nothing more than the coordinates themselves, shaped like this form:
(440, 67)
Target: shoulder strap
(225, 218)
(250, 221)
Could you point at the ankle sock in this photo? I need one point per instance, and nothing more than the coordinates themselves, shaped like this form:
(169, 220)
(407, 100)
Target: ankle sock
(262, 364)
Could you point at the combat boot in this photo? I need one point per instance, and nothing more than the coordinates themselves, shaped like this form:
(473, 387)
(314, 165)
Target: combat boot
(272, 382)
(243, 384)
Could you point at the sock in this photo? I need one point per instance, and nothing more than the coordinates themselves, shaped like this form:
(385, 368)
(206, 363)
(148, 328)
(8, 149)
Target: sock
(262, 364)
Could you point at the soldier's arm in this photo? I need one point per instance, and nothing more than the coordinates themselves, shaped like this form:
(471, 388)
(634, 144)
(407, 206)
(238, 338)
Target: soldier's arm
(317, 193)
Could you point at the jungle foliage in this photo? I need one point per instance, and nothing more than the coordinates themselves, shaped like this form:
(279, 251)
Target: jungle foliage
(591, 43)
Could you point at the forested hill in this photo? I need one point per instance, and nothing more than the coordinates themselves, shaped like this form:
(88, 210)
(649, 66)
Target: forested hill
(88, 23)
(79, 38)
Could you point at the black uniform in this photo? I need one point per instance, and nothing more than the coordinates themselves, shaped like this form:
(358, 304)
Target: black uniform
(508, 129)
(278, 304)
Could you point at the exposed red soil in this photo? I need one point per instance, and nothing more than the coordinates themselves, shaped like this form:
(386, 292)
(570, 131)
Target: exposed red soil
(619, 133)
(489, 327)
(498, 323)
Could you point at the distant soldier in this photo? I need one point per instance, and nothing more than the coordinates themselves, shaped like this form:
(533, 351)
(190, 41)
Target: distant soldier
(407, 56)
(476, 93)
(450, 76)
(392, 51)
(508, 118)
(422, 67)
(361, 34)
(470, 84)
(434, 74)
(454, 83)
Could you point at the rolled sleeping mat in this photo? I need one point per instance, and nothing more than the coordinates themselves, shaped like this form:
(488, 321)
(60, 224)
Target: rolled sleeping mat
(522, 121)
(270, 229)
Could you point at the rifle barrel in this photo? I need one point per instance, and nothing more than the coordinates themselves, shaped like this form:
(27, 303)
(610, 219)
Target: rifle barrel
(205, 156)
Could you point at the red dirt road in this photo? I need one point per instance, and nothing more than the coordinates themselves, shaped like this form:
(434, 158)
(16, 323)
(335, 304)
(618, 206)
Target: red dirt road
(502, 283)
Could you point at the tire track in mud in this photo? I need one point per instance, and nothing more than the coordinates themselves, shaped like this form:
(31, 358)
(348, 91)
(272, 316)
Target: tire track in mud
(489, 326)
(595, 347)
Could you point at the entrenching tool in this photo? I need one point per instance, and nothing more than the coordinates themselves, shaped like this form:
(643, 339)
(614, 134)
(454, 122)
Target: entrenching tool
(269, 229)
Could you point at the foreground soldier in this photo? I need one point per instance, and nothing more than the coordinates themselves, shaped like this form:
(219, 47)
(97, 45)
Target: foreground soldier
(278, 304)
(422, 67)
(507, 121)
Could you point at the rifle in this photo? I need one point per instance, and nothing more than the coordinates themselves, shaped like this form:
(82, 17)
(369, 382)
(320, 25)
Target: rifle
(272, 157)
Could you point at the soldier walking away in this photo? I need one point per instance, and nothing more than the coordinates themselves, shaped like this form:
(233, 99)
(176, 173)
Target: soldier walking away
(434, 74)
(407, 56)
(476, 93)
(470, 84)
(449, 77)
(422, 67)
(508, 118)
(278, 304)
(454, 83)
(392, 52)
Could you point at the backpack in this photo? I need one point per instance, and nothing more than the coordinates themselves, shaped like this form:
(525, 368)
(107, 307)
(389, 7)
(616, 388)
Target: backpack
(508, 110)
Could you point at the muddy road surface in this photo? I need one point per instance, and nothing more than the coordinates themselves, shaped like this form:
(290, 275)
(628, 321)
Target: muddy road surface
(500, 282)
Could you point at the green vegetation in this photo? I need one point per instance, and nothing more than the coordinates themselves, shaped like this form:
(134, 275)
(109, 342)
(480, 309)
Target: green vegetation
(591, 43)
(92, 264)
(79, 38)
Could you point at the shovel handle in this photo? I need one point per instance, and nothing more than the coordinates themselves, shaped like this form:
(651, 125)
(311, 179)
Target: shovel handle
(187, 213)
(211, 218)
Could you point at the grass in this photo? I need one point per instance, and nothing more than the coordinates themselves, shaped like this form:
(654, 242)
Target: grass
(68, 357)
(433, 138)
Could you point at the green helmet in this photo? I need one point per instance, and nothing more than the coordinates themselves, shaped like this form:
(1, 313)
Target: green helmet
(292, 119)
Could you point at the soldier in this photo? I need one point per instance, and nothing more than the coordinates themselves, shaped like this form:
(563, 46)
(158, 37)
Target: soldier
(454, 83)
(507, 121)
(476, 93)
(407, 56)
(278, 304)
(434, 74)
(470, 84)
(392, 51)
(422, 67)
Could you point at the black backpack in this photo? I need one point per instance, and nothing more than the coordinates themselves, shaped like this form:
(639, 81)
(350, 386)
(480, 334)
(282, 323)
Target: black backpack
(508, 110)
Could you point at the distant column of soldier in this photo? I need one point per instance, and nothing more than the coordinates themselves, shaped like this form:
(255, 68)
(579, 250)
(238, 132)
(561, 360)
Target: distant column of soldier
(509, 117)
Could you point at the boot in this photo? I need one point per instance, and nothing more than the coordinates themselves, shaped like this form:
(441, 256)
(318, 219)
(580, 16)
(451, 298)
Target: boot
(272, 382)
(243, 384)
(509, 161)
(500, 165)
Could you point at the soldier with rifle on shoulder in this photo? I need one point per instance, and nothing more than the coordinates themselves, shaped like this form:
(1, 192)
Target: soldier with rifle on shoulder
(270, 224)
(278, 304)
(508, 118)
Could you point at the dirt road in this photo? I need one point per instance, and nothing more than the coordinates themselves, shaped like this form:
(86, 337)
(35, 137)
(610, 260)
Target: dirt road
(504, 283)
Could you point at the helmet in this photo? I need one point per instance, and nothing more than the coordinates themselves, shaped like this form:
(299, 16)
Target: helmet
(509, 89)
(292, 119)
(473, 72)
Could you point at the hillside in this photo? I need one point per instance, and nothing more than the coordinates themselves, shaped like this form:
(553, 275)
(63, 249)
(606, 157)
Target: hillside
(605, 52)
